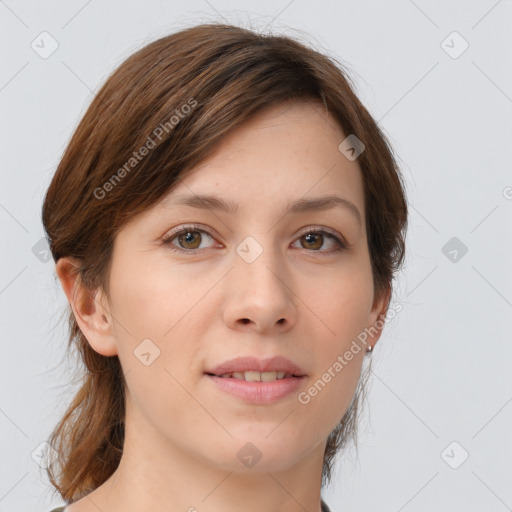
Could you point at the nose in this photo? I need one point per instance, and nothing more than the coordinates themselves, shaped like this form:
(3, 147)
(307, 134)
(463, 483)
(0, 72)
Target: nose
(259, 293)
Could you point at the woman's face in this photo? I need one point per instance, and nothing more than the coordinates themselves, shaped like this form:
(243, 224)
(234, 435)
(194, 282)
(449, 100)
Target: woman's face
(247, 284)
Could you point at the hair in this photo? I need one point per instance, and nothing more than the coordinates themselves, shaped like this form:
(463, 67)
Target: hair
(179, 96)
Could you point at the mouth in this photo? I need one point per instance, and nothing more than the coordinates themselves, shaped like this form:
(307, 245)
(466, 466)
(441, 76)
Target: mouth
(254, 376)
(258, 388)
(257, 381)
(253, 369)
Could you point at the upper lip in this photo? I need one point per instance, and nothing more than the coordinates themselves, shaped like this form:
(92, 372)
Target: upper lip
(248, 363)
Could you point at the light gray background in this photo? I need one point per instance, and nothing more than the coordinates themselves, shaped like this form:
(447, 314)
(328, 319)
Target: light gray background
(442, 370)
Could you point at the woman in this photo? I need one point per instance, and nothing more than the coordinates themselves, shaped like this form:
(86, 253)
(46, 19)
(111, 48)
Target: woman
(226, 224)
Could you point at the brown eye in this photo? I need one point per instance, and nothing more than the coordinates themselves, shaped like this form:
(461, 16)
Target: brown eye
(313, 240)
(188, 239)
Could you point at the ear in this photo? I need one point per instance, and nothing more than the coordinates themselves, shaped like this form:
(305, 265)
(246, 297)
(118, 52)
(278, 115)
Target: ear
(377, 317)
(90, 307)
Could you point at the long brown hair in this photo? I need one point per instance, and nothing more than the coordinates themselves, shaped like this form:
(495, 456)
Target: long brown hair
(179, 96)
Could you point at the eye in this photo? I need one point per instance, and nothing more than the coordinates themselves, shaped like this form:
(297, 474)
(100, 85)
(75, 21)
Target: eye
(315, 237)
(189, 240)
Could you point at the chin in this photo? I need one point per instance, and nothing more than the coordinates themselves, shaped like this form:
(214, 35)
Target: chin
(256, 452)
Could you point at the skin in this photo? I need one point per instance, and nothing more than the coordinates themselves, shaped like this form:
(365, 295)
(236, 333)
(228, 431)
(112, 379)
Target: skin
(182, 432)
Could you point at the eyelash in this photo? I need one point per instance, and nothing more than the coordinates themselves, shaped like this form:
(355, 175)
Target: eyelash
(340, 245)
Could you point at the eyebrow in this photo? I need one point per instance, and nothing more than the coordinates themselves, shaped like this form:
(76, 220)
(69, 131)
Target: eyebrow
(211, 202)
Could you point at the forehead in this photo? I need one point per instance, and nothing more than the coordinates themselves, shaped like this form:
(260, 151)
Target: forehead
(280, 161)
(287, 152)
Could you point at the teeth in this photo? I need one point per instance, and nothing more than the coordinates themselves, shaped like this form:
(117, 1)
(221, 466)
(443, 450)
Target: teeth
(253, 376)
(256, 376)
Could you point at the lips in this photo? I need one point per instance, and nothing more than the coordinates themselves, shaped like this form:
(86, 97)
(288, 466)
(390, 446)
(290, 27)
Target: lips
(260, 382)
(255, 369)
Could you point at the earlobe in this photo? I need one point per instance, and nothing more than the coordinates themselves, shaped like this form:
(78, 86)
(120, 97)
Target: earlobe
(89, 307)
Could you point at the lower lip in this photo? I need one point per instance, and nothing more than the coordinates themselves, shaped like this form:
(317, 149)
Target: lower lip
(258, 392)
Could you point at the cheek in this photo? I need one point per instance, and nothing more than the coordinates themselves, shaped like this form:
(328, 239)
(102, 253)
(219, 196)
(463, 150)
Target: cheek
(159, 397)
(340, 303)
(153, 300)
(156, 310)
(340, 309)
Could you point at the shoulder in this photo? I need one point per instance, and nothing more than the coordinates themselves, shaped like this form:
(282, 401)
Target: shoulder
(58, 509)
